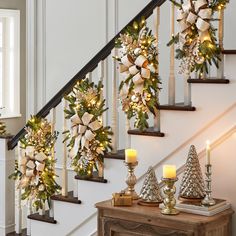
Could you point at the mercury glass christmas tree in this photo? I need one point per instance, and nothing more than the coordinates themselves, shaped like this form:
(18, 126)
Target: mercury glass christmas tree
(150, 192)
(192, 185)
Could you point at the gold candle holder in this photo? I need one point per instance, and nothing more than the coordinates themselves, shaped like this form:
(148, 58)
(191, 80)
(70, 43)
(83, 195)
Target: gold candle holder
(131, 180)
(208, 200)
(169, 199)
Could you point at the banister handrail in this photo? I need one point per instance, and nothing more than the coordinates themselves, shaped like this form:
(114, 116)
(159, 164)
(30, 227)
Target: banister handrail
(90, 66)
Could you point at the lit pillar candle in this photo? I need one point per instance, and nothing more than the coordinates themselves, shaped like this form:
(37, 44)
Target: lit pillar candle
(208, 150)
(169, 172)
(130, 155)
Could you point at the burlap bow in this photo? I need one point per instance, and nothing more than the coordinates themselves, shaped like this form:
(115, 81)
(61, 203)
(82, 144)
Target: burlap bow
(83, 129)
(138, 69)
(31, 162)
(197, 13)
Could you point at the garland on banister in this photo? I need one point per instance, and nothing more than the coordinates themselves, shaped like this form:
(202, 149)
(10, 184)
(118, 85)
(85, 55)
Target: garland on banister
(35, 171)
(139, 89)
(2, 125)
(88, 138)
(197, 42)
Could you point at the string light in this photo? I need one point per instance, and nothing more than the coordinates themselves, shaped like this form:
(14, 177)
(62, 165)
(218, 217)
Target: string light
(210, 45)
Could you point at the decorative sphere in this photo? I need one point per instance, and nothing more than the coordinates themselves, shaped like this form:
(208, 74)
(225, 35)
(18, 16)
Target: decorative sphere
(137, 51)
(41, 187)
(200, 60)
(134, 98)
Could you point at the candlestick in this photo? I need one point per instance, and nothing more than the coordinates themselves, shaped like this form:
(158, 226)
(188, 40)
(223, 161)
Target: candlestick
(131, 180)
(208, 150)
(169, 199)
(208, 200)
(130, 156)
(169, 171)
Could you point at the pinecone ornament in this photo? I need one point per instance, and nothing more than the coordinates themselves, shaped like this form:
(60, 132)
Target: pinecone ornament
(2, 128)
(150, 192)
(192, 185)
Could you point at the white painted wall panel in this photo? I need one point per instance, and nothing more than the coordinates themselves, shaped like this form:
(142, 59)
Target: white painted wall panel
(75, 31)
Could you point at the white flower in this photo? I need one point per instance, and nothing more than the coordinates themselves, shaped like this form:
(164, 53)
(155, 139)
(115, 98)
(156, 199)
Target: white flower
(41, 187)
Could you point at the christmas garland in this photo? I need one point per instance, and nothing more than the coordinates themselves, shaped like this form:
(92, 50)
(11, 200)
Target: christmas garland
(35, 170)
(2, 125)
(88, 138)
(139, 88)
(2, 128)
(197, 43)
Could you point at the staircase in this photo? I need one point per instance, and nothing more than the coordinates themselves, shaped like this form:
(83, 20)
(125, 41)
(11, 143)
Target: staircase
(210, 114)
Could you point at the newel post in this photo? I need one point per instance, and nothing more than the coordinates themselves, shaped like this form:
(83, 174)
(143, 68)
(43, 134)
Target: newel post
(7, 188)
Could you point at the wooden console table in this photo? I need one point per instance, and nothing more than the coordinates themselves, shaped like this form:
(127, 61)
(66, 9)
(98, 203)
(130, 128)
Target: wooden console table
(148, 221)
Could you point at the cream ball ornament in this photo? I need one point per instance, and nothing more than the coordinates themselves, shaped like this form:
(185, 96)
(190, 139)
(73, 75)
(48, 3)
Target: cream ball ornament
(134, 98)
(199, 60)
(137, 51)
(41, 187)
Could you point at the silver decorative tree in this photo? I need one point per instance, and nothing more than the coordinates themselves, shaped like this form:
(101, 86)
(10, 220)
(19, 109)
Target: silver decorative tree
(192, 185)
(150, 192)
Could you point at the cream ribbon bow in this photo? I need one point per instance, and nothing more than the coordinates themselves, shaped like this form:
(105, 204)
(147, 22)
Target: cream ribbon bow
(138, 69)
(83, 129)
(30, 161)
(198, 13)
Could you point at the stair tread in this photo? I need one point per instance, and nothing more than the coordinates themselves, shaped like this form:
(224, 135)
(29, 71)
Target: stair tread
(70, 198)
(6, 136)
(94, 178)
(119, 155)
(212, 80)
(148, 132)
(45, 218)
(24, 233)
(177, 107)
(229, 51)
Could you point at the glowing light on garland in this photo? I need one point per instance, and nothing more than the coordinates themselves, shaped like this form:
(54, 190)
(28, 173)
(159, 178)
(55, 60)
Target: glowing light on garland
(2, 126)
(197, 43)
(139, 89)
(88, 138)
(35, 170)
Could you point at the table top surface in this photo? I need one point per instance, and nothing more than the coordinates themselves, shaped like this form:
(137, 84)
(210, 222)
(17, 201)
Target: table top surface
(155, 212)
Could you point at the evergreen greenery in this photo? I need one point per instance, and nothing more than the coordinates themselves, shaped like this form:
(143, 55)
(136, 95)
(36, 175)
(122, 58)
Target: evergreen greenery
(40, 186)
(86, 98)
(208, 50)
(138, 40)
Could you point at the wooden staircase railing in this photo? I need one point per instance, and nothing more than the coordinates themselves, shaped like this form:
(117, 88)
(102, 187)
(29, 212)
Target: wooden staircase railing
(90, 66)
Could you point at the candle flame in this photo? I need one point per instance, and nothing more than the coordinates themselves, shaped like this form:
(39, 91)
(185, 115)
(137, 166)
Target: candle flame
(208, 144)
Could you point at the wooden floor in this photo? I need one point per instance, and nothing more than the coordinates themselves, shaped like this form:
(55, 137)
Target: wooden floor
(15, 234)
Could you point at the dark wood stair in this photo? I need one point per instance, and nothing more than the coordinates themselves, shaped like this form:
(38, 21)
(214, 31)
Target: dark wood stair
(148, 132)
(45, 218)
(119, 155)
(94, 178)
(24, 233)
(229, 51)
(177, 107)
(208, 81)
(70, 198)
